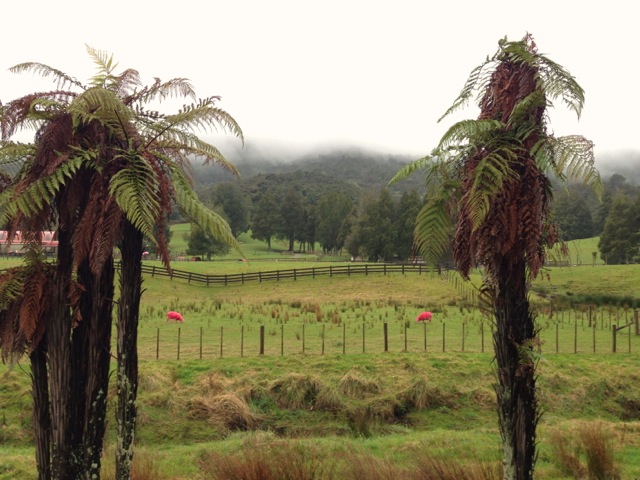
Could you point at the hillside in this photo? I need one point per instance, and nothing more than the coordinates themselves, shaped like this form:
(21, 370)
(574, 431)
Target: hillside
(361, 169)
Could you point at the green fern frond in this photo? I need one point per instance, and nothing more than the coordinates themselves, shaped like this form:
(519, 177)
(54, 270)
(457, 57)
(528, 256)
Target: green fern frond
(408, 170)
(197, 212)
(62, 79)
(470, 86)
(135, 190)
(174, 88)
(574, 159)
(469, 131)
(105, 65)
(489, 178)
(557, 82)
(522, 111)
(203, 116)
(39, 193)
(182, 142)
(101, 105)
(433, 229)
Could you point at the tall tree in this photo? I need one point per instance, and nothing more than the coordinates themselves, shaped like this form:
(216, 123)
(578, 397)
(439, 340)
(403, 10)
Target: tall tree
(487, 185)
(292, 214)
(332, 212)
(405, 223)
(620, 240)
(266, 219)
(105, 169)
(235, 204)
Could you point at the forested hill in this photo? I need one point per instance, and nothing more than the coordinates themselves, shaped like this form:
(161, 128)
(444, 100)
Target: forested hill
(360, 169)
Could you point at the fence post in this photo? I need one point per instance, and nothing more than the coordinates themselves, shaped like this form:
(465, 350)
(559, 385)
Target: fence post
(635, 321)
(363, 329)
(281, 339)
(322, 353)
(557, 336)
(178, 343)
(443, 336)
(424, 328)
(463, 336)
(221, 339)
(303, 338)
(158, 344)
(241, 341)
(614, 330)
(344, 338)
(405, 336)
(386, 338)
(200, 343)
(261, 339)
(482, 337)
(594, 337)
(575, 336)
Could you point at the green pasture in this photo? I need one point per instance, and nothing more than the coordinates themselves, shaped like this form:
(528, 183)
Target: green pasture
(325, 381)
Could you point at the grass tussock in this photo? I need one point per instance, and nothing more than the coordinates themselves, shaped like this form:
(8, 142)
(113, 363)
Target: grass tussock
(279, 460)
(429, 467)
(587, 453)
(296, 390)
(144, 467)
(355, 386)
(223, 411)
(293, 460)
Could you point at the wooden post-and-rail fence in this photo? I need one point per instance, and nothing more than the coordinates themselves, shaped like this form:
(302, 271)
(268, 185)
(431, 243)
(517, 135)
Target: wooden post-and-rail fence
(289, 274)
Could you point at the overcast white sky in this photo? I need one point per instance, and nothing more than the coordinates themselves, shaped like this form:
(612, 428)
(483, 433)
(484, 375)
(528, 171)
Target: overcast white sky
(311, 74)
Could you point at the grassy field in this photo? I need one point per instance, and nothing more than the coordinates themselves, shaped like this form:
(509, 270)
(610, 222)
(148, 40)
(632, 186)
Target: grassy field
(210, 399)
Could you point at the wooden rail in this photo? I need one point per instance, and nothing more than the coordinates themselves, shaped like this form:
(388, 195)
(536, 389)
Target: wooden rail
(289, 274)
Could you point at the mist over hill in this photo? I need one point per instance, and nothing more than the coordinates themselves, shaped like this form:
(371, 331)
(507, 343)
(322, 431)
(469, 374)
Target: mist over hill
(365, 169)
(625, 163)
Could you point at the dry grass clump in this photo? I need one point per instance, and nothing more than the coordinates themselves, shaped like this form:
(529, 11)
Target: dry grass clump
(225, 410)
(296, 390)
(157, 379)
(144, 467)
(329, 400)
(420, 394)
(587, 453)
(213, 383)
(278, 461)
(292, 460)
(355, 386)
(429, 467)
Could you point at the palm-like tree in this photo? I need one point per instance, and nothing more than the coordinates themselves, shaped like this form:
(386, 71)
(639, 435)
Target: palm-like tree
(488, 188)
(106, 170)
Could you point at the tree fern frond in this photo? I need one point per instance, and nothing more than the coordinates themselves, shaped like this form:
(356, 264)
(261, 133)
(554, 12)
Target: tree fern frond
(557, 82)
(104, 62)
(433, 229)
(195, 210)
(523, 110)
(490, 175)
(176, 87)
(134, 189)
(62, 79)
(203, 115)
(408, 170)
(574, 159)
(469, 131)
(470, 86)
(101, 105)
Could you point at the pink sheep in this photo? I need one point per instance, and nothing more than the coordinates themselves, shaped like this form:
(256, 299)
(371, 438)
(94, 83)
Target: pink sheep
(424, 317)
(174, 316)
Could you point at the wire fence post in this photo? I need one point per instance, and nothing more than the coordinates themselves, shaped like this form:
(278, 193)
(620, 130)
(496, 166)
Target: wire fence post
(386, 337)
(261, 339)
(158, 343)
(178, 343)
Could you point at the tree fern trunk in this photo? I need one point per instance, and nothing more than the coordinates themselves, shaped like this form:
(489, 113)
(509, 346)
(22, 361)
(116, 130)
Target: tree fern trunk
(516, 390)
(128, 313)
(92, 342)
(41, 417)
(60, 368)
